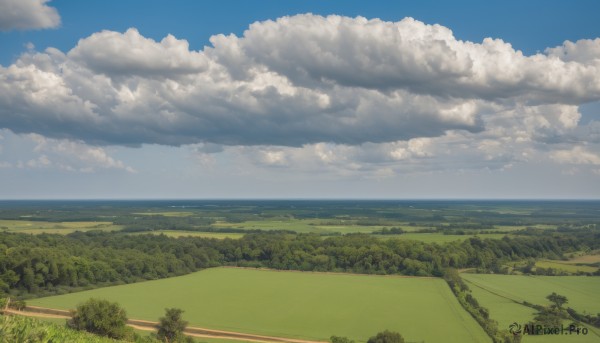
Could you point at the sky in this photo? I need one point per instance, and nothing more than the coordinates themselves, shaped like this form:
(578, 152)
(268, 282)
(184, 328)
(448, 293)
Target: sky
(299, 99)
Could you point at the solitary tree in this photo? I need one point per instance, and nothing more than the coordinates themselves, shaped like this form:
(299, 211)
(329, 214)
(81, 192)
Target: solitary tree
(171, 326)
(101, 317)
(557, 299)
(386, 337)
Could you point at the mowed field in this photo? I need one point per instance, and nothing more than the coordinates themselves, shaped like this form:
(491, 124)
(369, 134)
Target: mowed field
(498, 294)
(297, 304)
(63, 228)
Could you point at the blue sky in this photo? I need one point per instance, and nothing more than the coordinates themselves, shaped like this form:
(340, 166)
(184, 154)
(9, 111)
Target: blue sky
(131, 99)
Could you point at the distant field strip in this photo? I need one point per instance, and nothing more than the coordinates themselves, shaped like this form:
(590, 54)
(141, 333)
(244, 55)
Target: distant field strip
(566, 266)
(310, 306)
(63, 228)
(183, 233)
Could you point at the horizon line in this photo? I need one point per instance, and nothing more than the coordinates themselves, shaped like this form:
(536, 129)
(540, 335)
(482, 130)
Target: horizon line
(301, 199)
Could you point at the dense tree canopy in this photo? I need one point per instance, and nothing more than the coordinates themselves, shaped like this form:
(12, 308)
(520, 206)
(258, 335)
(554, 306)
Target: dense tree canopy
(54, 263)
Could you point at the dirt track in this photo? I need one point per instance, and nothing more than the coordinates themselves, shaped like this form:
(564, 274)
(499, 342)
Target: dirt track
(41, 312)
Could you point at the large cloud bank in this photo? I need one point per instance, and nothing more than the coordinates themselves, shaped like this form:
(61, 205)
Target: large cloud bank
(368, 89)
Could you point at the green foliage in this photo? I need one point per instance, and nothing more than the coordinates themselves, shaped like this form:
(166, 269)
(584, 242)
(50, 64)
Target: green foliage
(171, 326)
(101, 317)
(557, 300)
(386, 337)
(18, 305)
(339, 339)
(586, 318)
(24, 329)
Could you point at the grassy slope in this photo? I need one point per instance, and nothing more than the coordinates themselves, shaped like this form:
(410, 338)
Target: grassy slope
(294, 304)
(495, 291)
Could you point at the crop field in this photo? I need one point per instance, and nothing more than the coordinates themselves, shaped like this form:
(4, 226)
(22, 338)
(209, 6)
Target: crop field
(63, 228)
(584, 259)
(565, 266)
(297, 304)
(582, 291)
(180, 233)
(498, 294)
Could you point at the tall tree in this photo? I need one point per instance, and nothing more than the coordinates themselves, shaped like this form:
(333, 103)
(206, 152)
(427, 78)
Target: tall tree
(171, 326)
(557, 299)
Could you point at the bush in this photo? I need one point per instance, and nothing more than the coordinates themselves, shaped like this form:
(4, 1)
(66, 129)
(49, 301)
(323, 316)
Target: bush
(18, 305)
(338, 339)
(386, 337)
(101, 317)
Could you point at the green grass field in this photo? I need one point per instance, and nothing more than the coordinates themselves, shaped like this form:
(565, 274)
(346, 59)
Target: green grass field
(566, 266)
(584, 259)
(297, 304)
(63, 228)
(498, 294)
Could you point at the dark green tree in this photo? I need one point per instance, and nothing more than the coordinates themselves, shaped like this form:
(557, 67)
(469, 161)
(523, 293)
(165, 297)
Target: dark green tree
(386, 337)
(171, 326)
(101, 317)
(557, 299)
(339, 339)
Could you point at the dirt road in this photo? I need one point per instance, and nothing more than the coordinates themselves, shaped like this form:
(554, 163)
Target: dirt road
(42, 312)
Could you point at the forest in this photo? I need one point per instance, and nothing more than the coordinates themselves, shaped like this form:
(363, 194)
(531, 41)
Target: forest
(54, 264)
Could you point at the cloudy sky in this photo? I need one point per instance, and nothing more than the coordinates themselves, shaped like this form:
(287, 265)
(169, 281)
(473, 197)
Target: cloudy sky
(299, 99)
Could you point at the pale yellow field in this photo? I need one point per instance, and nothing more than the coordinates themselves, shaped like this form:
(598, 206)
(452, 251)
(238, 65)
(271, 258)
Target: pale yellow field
(176, 233)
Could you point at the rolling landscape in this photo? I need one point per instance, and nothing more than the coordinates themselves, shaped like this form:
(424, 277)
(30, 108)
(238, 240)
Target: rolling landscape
(341, 171)
(312, 269)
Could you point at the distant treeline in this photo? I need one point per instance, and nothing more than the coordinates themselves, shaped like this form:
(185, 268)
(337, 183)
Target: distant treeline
(54, 264)
(463, 214)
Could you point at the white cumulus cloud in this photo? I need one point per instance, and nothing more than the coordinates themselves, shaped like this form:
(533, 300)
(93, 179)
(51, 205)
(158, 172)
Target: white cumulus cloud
(27, 15)
(311, 92)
